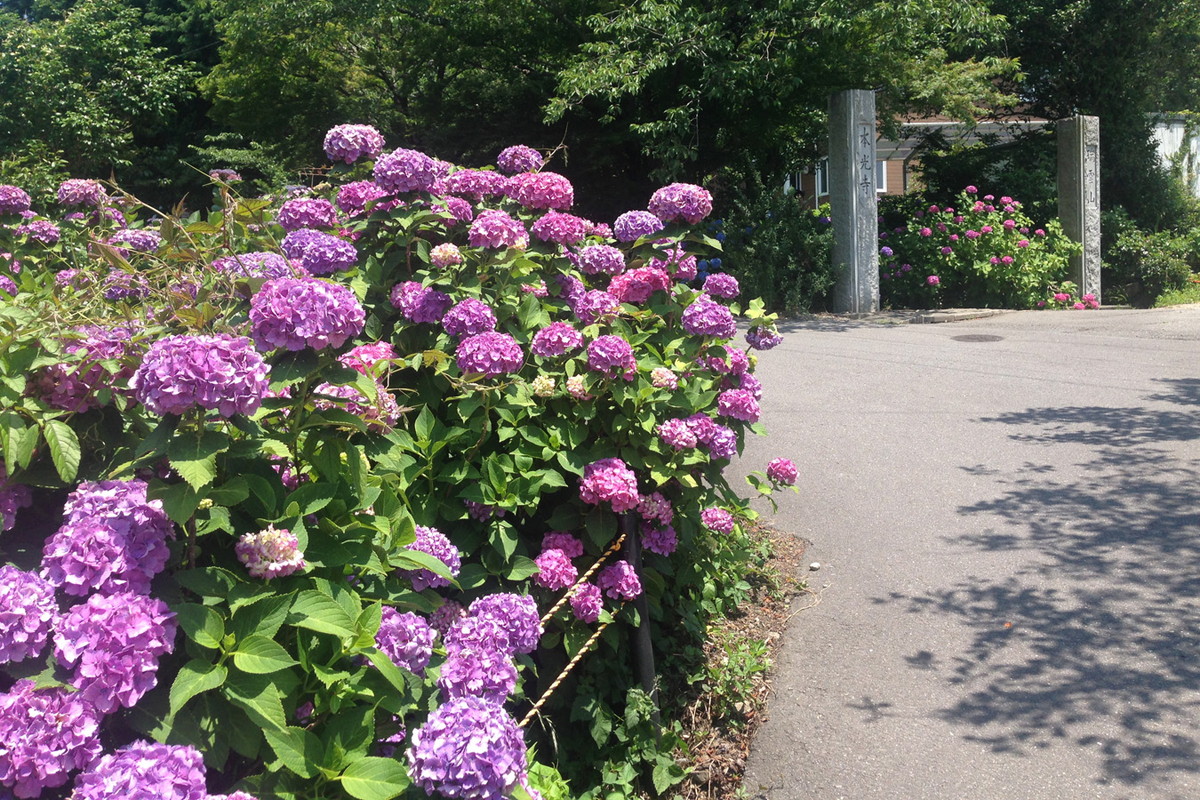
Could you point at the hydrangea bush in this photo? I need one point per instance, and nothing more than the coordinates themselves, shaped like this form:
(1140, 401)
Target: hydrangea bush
(325, 513)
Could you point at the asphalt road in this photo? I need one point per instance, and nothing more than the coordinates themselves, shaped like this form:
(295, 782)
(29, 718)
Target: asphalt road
(1007, 513)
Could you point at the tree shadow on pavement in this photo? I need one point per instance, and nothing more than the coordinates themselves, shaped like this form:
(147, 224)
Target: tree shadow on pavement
(1096, 641)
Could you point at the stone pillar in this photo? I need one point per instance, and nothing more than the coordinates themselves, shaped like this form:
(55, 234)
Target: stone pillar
(852, 200)
(1079, 196)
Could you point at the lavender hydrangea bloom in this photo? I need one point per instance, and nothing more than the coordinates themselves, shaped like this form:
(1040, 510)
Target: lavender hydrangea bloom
(435, 543)
(722, 285)
(418, 303)
(541, 190)
(516, 614)
(27, 613)
(469, 317)
(601, 259)
(353, 197)
(570, 289)
(468, 748)
(45, 735)
(142, 524)
(445, 615)
(144, 771)
(270, 553)
(8, 285)
(40, 230)
(349, 143)
(761, 337)
(738, 404)
(559, 228)
(619, 581)
(255, 265)
(638, 285)
(475, 183)
(405, 171)
(88, 555)
(138, 240)
(478, 672)
(220, 372)
(319, 253)
(633, 225)
(81, 192)
(660, 540)
(295, 313)
(112, 643)
(477, 633)
(559, 540)
(706, 318)
(122, 285)
(556, 339)
(405, 638)
(497, 229)
(610, 480)
(13, 199)
(717, 520)
(586, 602)
(721, 442)
(13, 497)
(489, 354)
(611, 355)
(751, 384)
(555, 570)
(306, 212)
(519, 158)
(684, 201)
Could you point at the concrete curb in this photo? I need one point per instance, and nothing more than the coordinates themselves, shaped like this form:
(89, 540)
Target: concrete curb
(957, 314)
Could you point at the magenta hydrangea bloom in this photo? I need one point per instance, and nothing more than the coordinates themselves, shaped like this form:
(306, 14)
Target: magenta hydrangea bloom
(307, 212)
(519, 158)
(497, 229)
(684, 201)
(81, 193)
(349, 143)
(363, 358)
(541, 190)
(761, 337)
(405, 171)
(516, 614)
(418, 303)
(381, 413)
(295, 313)
(255, 265)
(469, 317)
(783, 471)
(633, 225)
(656, 508)
(459, 210)
(736, 362)
(270, 553)
(45, 735)
(611, 355)
(610, 480)
(722, 285)
(445, 255)
(475, 183)
(560, 540)
(113, 643)
(594, 306)
(660, 540)
(677, 434)
(677, 262)
(435, 543)
(489, 354)
(28, 612)
(555, 570)
(352, 198)
(601, 259)
(717, 520)
(619, 581)
(751, 384)
(738, 404)
(478, 672)
(405, 638)
(13, 199)
(638, 285)
(468, 748)
(586, 602)
(706, 318)
(556, 339)
(40, 230)
(560, 228)
(222, 373)
(319, 253)
(144, 771)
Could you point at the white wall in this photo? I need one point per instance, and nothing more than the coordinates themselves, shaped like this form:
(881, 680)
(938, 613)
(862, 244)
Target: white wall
(1171, 133)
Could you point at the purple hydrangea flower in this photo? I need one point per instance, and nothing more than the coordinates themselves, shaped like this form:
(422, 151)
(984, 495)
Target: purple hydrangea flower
(761, 337)
(556, 339)
(610, 480)
(475, 183)
(13, 497)
(226, 175)
(560, 228)
(418, 303)
(660, 540)
(721, 442)
(467, 748)
(738, 404)
(601, 259)
(349, 143)
(255, 265)
(137, 240)
(751, 384)
(619, 581)
(516, 614)
(40, 230)
(611, 355)
(435, 543)
(519, 158)
(445, 615)
(480, 512)
(706, 318)
(45, 735)
(736, 362)
(307, 212)
(570, 289)
(638, 285)
(678, 434)
(89, 555)
(595, 305)
(684, 201)
(555, 570)
(295, 313)
(489, 355)
(405, 638)
(122, 285)
(144, 770)
(270, 553)
(478, 672)
(717, 520)
(722, 285)
(81, 192)
(457, 209)
(677, 262)
(541, 190)
(319, 253)
(8, 285)
(656, 508)
(497, 229)
(632, 225)
(586, 602)
(27, 614)
(142, 525)
(469, 317)
(477, 633)
(559, 540)
(783, 471)
(405, 171)
(112, 643)
(381, 412)
(13, 199)
(352, 198)
(220, 372)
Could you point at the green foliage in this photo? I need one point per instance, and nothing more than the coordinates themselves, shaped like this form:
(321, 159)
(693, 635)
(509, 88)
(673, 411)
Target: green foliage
(36, 169)
(1140, 266)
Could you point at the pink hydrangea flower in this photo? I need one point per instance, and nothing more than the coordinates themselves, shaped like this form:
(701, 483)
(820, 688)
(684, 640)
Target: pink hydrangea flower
(610, 480)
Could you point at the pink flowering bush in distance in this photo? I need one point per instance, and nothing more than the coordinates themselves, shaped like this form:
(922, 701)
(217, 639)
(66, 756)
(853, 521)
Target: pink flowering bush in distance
(338, 503)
